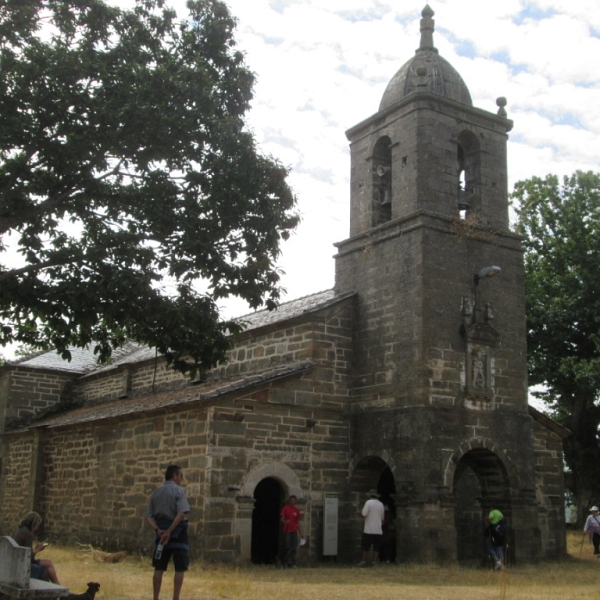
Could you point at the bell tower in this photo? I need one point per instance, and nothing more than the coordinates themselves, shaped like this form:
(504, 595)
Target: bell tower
(439, 359)
(428, 148)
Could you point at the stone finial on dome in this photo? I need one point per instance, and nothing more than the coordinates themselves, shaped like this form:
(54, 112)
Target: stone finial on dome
(427, 29)
(426, 71)
(501, 103)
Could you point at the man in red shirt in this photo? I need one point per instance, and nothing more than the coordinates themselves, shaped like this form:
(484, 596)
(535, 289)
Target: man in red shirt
(290, 517)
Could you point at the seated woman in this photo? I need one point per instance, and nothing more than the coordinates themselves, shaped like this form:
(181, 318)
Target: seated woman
(40, 568)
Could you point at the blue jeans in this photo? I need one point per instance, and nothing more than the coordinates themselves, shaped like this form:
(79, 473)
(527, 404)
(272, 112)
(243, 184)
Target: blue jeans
(496, 552)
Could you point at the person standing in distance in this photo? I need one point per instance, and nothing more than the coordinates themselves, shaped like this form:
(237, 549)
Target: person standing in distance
(592, 527)
(374, 512)
(290, 517)
(495, 537)
(166, 515)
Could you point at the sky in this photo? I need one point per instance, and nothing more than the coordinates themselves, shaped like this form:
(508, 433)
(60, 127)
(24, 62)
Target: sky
(323, 65)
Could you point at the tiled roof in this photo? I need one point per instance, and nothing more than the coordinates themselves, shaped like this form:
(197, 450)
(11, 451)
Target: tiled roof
(179, 397)
(548, 422)
(84, 361)
(288, 310)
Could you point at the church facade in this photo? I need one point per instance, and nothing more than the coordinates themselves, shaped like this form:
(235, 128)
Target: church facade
(410, 377)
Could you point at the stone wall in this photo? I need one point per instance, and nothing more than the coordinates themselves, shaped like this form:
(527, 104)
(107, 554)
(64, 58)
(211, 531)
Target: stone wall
(550, 487)
(410, 346)
(25, 392)
(16, 462)
(309, 444)
(424, 446)
(324, 338)
(103, 471)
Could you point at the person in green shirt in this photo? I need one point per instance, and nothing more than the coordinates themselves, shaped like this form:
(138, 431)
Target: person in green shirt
(495, 537)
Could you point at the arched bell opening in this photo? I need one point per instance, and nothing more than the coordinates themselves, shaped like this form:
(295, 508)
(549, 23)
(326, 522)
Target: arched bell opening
(468, 173)
(382, 181)
(480, 484)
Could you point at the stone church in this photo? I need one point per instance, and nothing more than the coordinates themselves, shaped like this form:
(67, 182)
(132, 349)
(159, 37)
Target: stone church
(409, 376)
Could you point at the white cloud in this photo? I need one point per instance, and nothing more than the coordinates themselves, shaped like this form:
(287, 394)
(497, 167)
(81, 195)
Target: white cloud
(323, 65)
(333, 60)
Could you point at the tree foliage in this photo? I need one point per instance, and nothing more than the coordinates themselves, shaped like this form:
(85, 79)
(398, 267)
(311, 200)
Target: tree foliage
(125, 162)
(561, 225)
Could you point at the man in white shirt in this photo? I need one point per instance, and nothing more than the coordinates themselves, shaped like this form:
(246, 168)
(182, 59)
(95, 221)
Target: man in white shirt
(373, 511)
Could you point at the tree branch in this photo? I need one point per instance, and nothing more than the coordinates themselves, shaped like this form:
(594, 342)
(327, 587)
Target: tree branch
(4, 275)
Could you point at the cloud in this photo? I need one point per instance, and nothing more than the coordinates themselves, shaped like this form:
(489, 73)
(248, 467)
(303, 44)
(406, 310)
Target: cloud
(323, 65)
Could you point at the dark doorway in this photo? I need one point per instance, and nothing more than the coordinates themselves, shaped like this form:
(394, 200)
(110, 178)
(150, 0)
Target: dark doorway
(387, 490)
(386, 486)
(268, 497)
(480, 484)
(371, 473)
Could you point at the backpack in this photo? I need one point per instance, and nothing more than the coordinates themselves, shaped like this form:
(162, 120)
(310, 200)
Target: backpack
(498, 533)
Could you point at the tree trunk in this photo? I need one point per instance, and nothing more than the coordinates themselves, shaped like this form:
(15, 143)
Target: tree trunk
(582, 455)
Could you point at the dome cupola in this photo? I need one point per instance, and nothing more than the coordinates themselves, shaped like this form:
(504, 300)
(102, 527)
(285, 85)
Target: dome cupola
(427, 71)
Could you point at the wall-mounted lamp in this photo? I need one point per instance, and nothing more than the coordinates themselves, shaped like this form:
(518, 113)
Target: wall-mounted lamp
(486, 272)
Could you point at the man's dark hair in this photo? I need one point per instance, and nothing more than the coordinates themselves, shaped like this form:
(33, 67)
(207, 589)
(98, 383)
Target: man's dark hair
(171, 471)
(292, 496)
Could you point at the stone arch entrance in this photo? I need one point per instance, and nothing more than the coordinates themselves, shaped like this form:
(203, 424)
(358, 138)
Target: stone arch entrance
(268, 501)
(261, 498)
(481, 483)
(371, 472)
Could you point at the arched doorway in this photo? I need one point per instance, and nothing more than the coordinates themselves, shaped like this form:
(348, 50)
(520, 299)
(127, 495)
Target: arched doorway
(269, 499)
(371, 472)
(480, 484)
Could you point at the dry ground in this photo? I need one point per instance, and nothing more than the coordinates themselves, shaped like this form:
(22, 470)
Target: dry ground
(576, 577)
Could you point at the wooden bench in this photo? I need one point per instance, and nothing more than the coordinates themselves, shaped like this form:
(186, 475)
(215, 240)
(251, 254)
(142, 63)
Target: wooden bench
(15, 569)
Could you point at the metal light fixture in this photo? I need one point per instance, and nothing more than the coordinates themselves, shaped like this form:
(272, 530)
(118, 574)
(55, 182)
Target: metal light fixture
(486, 272)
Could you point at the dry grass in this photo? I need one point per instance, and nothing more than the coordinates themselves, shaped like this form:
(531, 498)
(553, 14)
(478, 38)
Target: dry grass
(577, 577)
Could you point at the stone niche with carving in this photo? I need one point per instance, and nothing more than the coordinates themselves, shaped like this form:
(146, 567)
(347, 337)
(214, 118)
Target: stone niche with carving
(481, 339)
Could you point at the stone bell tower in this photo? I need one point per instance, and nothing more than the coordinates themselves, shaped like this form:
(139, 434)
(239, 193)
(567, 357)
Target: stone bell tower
(439, 403)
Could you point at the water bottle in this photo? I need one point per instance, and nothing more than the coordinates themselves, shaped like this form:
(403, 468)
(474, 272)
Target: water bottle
(158, 552)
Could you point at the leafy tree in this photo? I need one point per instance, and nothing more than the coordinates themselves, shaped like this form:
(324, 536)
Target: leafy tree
(125, 163)
(561, 225)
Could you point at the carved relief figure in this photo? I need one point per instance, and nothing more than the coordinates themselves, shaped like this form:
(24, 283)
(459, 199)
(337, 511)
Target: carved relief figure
(479, 379)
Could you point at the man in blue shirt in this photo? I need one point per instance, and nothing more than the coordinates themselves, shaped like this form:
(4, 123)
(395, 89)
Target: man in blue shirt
(166, 515)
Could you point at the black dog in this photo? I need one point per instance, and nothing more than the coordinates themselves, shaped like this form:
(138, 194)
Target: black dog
(88, 594)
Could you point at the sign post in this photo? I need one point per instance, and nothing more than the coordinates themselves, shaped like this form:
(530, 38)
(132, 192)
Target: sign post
(330, 525)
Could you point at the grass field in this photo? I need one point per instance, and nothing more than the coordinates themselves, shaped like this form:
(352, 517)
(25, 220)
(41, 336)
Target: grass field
(576, 577)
